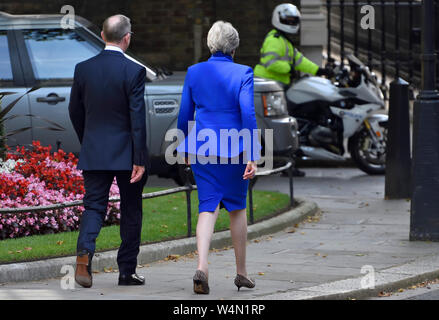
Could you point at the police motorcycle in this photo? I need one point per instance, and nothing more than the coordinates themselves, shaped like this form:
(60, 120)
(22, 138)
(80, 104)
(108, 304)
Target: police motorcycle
(334, 115)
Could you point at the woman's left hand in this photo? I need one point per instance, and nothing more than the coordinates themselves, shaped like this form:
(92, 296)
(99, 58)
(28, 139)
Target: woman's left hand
(250, 170)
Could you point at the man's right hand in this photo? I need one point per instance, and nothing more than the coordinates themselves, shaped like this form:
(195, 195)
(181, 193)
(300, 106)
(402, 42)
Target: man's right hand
(137, 173)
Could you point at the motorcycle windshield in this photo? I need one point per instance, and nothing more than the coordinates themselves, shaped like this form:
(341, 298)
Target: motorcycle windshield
(353, 59)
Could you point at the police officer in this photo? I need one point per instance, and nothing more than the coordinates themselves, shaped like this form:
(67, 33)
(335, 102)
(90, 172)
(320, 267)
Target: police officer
(279, 58)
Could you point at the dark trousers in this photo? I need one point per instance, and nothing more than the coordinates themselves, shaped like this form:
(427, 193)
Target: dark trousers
(97, 186)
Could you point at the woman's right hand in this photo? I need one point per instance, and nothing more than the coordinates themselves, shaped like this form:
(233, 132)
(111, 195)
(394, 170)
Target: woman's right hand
(250, 170)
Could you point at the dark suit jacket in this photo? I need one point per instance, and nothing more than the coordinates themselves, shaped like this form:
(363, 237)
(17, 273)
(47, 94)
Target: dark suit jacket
(107, 110)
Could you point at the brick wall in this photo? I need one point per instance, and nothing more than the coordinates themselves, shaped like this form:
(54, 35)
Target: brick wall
(164, 29)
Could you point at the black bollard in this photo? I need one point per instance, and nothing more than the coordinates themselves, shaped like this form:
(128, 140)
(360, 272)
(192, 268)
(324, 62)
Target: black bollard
(398, 162)
(424, 218)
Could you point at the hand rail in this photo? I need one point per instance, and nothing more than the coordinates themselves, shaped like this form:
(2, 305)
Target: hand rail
(188, 188)
(288, 166)
(78, 203)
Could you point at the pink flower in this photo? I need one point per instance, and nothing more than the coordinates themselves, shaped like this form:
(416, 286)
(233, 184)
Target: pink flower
(47, 181)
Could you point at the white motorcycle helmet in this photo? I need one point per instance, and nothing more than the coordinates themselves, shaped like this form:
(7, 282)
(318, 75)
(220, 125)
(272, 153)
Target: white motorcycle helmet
(286, 17)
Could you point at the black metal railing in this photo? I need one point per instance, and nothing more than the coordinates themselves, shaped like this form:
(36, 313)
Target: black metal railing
(188, 188)
(288, 166)
(392, 48)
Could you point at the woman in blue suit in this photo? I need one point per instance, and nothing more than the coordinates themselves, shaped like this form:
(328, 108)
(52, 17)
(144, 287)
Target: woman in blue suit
(220, 92)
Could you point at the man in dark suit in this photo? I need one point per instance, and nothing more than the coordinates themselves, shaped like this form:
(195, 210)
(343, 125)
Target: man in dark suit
(107, 110)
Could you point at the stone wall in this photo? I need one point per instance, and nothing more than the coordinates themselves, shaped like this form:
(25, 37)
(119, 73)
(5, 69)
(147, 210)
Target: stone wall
(164, 29)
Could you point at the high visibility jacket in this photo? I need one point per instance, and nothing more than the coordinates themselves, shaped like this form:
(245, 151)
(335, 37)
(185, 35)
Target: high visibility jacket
(279, 57)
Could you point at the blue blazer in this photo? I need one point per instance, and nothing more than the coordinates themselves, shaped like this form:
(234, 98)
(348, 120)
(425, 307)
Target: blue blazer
(220, 92)
(107, 110)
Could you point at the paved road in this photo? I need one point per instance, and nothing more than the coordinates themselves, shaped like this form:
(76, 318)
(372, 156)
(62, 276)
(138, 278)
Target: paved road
(424, 292)
(356, 228)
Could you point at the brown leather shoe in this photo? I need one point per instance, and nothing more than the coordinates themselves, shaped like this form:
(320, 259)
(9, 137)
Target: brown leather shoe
(83, 271)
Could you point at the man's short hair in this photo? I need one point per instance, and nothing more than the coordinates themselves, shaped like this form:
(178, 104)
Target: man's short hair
(116, 27)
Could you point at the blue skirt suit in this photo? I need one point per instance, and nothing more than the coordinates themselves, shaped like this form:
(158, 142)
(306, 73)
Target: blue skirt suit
(218, 94)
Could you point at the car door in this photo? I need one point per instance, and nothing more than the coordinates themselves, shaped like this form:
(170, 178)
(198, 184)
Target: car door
(52, 54)
(16, 123)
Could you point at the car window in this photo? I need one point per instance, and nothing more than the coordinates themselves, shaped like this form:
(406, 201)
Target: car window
(151, 72)
(54, 53)
(5, 59)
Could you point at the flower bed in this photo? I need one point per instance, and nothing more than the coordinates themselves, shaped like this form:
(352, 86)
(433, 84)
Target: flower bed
(38, 177)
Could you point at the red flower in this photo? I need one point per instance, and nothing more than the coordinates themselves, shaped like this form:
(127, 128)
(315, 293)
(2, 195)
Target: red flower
(57, 171)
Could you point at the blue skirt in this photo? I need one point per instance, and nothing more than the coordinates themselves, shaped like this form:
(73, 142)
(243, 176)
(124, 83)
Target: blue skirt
(221, 184)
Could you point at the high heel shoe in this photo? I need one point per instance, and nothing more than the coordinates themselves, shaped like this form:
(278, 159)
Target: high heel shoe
(201, 285)
(241, 281)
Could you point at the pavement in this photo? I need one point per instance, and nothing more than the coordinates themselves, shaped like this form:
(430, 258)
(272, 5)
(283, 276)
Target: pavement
(355, 248)
(421, 291)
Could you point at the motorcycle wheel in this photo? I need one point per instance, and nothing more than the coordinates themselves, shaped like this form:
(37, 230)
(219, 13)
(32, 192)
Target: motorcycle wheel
(366, 155)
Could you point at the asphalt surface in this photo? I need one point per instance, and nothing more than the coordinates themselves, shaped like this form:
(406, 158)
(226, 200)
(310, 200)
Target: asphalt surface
(425, 292)
(356, 228)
